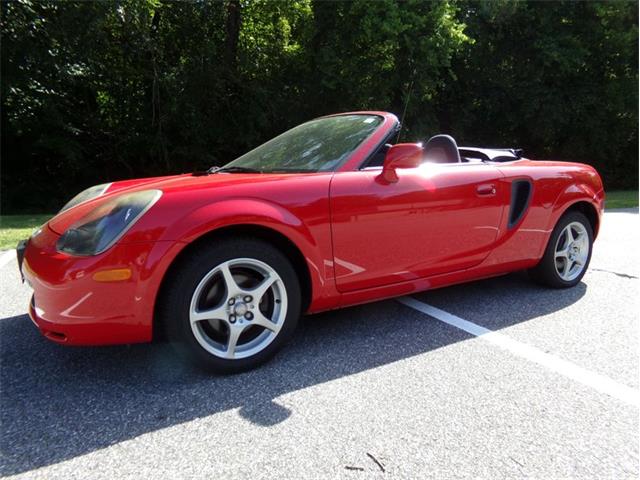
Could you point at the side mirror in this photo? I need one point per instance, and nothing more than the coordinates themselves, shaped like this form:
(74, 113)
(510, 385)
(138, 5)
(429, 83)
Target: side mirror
(402, 155)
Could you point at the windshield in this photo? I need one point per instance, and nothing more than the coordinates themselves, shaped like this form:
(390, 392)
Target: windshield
(320, 145)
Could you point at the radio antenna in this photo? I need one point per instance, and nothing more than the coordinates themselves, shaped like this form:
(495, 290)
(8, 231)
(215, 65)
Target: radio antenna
(406, 104)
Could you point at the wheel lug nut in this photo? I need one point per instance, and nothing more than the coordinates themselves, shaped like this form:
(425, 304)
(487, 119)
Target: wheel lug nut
(232, 319)
(247, 298)
(232, 301)
(248, 316)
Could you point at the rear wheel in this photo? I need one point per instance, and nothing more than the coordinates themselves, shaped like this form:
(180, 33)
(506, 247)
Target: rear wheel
(231, 305)
(568, 252)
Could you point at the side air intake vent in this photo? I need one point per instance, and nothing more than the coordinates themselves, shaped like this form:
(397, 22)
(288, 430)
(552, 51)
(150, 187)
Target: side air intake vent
(520, 197)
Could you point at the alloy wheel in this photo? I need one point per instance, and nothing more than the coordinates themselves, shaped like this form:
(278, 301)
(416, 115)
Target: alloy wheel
(571, 251)
(238, 308)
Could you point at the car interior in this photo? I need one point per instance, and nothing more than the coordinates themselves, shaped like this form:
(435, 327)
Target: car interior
(444, 149)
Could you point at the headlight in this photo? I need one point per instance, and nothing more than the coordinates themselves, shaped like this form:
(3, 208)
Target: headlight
(103, 226)
(88, 194)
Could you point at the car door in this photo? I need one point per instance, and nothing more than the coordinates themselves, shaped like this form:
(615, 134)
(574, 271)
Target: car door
(435, 219)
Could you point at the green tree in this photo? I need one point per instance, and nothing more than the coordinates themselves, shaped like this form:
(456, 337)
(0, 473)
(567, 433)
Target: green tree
(95, 91)
(559, 79)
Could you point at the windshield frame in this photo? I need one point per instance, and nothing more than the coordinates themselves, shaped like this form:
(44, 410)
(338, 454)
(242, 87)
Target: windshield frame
(360, 152)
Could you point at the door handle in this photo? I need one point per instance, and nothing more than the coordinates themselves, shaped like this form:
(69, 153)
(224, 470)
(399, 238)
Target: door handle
(486, 189)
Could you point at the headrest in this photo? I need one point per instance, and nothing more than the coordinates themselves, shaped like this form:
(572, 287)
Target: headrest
(441, 149)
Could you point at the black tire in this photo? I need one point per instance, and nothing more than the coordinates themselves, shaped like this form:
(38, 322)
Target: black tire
(546, 273)
(175, 307)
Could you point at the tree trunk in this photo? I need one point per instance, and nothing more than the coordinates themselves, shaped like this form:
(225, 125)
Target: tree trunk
(232, 33)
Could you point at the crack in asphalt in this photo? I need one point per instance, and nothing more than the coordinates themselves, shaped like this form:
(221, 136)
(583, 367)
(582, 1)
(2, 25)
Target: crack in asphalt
(623, 275)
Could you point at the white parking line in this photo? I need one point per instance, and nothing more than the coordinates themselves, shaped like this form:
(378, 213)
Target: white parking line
(570, 370)
(6, 257)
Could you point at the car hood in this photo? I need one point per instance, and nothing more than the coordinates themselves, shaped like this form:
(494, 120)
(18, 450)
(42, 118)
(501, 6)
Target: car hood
(219, 184)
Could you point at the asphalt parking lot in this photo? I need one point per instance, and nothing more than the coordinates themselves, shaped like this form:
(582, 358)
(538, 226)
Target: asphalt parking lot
(376, 391)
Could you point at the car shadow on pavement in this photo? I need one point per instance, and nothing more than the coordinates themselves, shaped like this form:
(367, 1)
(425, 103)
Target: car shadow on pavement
(503, 301)
(62, 402)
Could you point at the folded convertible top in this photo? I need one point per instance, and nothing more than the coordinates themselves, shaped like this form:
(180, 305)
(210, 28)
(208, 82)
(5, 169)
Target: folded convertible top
(491, 154)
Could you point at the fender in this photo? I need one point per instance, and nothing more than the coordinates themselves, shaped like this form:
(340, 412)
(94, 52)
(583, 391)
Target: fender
(238, 211)
(259, 212)
(574, 193)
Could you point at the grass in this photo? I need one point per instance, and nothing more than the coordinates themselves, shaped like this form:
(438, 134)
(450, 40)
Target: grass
(621, 199)
(14, 228)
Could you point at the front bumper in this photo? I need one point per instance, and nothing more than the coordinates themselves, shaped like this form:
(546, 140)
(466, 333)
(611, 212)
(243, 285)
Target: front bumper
(70, 306)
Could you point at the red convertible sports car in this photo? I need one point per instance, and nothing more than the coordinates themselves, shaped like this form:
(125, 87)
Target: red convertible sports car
(325, 215)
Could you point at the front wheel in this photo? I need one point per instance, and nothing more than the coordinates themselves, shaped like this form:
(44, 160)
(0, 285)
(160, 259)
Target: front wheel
(231, 305)
(568, 252)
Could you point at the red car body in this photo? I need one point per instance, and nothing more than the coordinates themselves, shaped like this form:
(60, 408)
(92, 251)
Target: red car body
(353, 238)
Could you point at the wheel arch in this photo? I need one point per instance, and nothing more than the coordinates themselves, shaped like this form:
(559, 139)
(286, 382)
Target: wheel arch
(579, 197)
(589, 211)
(269, 235)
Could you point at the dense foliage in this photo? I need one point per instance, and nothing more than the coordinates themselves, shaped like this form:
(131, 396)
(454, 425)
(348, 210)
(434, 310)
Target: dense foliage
(95, 91)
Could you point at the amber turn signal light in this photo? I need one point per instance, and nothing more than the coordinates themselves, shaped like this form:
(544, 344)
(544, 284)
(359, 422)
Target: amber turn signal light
(112, 275)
